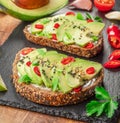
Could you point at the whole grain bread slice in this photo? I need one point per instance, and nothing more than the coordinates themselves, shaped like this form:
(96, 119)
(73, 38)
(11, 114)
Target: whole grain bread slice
(73, 49)
(47, 97)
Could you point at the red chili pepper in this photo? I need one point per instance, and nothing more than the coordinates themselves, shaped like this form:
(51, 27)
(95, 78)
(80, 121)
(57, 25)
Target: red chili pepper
(28, 63)
(114, 41)
(115, 55)
(37, 71)
(70, 13)
(54, 37)
(89, 20)
(112, 64)
(113, 28)
(67, 60)
(89, 45)
(77, 89)
(39, 26)
(26, 51)
(90, 70)
(56, 25)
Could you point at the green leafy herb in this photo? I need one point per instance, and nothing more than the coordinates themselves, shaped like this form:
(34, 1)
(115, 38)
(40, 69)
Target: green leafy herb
(80, 16)
(42, 51)
(88, 16)
(26, 79)
(98, 19)
(104, 104)
(95, 38)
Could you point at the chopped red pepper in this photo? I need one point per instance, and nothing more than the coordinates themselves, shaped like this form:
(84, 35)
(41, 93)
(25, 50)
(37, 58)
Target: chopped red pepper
(39, 26)
(112, 64)
(77, 89)
(115, 55)
(28, 63)
(89, 20)
(67, 60)
(56, 25)
(54, 37)
(113, 28)
(89, 45)
(114, 36)
(37, 71)
(114, 41)
(70, 13)
(90, 70)
(26, 51)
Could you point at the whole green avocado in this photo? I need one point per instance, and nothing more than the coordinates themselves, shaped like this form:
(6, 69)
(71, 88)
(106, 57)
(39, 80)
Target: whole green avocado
(30, 15)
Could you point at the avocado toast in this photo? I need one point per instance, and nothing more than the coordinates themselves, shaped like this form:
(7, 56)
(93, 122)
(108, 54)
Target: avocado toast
(50, 78)
(67, 33)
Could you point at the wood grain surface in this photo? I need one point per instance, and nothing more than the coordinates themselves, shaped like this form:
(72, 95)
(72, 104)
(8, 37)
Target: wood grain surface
(13, 115)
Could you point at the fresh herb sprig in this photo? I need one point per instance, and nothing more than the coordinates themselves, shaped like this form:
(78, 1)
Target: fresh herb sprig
(103, 104)
(88, 16)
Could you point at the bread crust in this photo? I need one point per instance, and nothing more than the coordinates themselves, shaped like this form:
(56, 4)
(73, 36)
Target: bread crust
(48, 97)
(73, 49)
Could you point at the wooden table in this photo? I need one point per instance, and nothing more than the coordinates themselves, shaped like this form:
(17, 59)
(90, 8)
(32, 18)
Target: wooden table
(13, 115)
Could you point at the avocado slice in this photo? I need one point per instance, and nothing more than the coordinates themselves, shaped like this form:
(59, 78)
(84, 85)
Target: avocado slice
(62, 83)
(29, 15)
(83, 65)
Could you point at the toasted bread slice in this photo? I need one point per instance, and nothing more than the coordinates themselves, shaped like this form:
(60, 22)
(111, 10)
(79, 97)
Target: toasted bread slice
(70, 34)
(46, 96)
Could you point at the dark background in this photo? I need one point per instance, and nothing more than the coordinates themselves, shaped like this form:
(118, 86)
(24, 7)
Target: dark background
(17, 41)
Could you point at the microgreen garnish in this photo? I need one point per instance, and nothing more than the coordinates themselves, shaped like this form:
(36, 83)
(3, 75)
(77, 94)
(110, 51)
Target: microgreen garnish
(103, 104)
(26, 79)
(88, 17)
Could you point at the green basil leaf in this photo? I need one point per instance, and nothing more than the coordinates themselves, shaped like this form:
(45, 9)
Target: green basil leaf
(98, 19)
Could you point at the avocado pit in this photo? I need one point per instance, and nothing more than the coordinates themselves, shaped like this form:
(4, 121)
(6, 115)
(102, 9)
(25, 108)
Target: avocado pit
(30, 4)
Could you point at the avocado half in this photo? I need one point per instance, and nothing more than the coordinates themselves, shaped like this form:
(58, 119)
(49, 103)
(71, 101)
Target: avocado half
(30, 15)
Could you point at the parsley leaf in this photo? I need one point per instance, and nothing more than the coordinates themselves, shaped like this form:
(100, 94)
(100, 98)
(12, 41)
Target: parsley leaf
(101, 93)
(104, 104)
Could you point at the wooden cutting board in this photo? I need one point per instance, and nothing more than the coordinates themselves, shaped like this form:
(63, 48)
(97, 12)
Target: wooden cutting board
(7, 25)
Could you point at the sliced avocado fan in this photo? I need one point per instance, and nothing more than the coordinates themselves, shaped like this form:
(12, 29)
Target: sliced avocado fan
(29, 15)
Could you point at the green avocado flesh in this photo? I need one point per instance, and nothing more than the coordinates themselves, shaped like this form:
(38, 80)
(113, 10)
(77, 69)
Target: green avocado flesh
(68, 29)
(29, 15)
(55, 71)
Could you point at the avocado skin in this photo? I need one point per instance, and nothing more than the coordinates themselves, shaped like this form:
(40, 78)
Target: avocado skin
(30, 15)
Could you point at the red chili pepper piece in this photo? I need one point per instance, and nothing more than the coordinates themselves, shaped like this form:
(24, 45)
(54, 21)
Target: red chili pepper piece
(89, 20)
(39, 26)
(28, 63)
(56, 25)
(77, 89)
(113, 28)
(26, 51)
(67, 60)
(89, 45)
(112, 64)
(114, 41)
(115, 55)
(90, 70)
(37, 71)
(70, 13)
(54, 37)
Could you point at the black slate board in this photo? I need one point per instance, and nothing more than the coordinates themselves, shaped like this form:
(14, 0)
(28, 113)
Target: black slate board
(17, 41)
